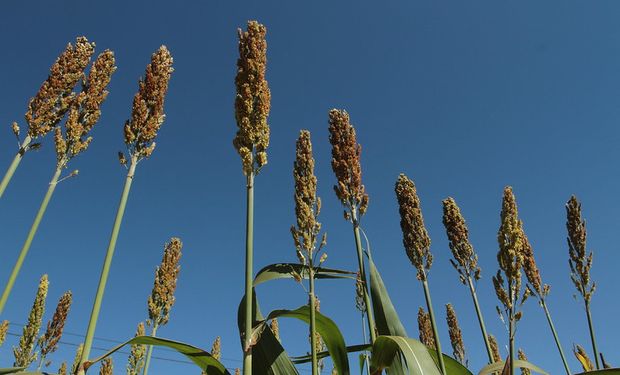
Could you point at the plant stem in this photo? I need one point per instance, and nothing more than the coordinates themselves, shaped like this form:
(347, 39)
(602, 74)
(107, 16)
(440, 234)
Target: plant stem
(315, 362)
(16, 160)
(364, 337)
(31, 234)
(472, 289)
(555, 336)
(103, 279)
(594, 348)
(150, 351)
(511, 341)
(360, 260)
(249, 274)
(431, 313)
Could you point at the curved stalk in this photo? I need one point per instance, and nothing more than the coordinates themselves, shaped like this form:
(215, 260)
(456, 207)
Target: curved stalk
(590, 326)
(555, 336)
(360, 261)
(483, 329)
(147, 362)
(315, 362)
(429, 305)
(103, 279)
(16, 160)
(249, 274)
(29, 238)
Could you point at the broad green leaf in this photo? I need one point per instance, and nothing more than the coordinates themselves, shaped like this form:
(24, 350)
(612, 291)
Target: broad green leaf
(607, 371)
(288, 270)
(412, 352)
(498, 366)
(350, 349)
(452, 365)
(329, 331)
(202, 358)
(268, 355)
(10, 370)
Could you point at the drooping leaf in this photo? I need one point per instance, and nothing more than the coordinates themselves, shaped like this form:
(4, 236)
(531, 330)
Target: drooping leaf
(329, 331)
(412, 352)
(452, 365)
(268, 355)
(498, 366)
(350, 349)
(201, 358)
(289, 270)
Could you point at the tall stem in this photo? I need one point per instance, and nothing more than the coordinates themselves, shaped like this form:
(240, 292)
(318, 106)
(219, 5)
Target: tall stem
(147, 363)
(315, 362)
(360, 261)
(249, 274)
(364, 338)
(555, 336)
(103, 279)
(511, 341)
(594, 348)
(483, 329)
(431, 313)
(31, 233)
(16, 160)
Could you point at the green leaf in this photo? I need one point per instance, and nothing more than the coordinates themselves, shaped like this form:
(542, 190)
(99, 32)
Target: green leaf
(607, 371)
(412, 352)
(328, 330)
(287, 270)
(200, 357)
(498, 366)
(268, 355)
(350, 349)
(10, 370)
(452, 365)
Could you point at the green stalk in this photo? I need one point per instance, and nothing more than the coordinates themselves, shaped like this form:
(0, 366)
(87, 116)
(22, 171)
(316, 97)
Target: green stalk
(511, 341)
(103, 279)
(360, 261)
(594, 348)
(555, 336)
(147, 363)
(364, 338)
(31, 233)
(315, 362)
(429, 306)
(16, 160)
(249, 275)
(472, 289)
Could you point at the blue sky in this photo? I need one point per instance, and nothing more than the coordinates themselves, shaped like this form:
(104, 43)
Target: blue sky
(463, 97)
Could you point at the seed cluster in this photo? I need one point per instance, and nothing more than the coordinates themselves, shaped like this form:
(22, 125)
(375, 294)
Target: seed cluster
(4, 328)
(465, 259)
(137, 353)
(521, 355)
(106, 367)
(580, 261)
(456, 337)
(48, 343)
(494, 348)
(426, 331)
(415, 237)
(253, 100)
(23, 353)
(216, 348)
(275, 328)
(161, 300)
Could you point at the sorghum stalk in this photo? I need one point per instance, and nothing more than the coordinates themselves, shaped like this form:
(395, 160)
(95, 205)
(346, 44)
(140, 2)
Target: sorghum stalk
(140, 132)
(52, 100)
(580, 262)
(24, 355)
(252, 105)
(417, 245)
(350, 191)
(465, 259)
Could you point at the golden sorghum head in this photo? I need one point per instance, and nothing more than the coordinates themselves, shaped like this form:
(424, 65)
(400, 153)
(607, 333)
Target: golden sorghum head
(521, 356)
(456, 337)
(56, 94)
(4, 328)
(415, 238)
(425, 328)
(48, 343)
(346, 163)
(216, 348)
(106, 367)
(579, 260)
(15, 129)
(147, 114)
(237, 371)
(307, 204)
(253, 99)
(275, 328)
(466, 260)
(77, 358)
(63, 369)
(85, 109)
(582, 357)
(494, 348)
(24, 355)
(137, 353)
(162, 297)
(531, 270)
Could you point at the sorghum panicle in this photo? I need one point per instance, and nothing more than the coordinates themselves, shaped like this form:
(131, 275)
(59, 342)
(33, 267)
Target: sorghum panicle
(49, 341)
(76, 359)
(4, 328)
(579, 260)
(521, 356)
(252, 102)
(494, 348)
(425, 328)
(106, 367)
(415, 238)
(63, 369)
(137, 353)
(216, 348)
(458, 236)
(24, 355)
(456, 337)
(161, 300)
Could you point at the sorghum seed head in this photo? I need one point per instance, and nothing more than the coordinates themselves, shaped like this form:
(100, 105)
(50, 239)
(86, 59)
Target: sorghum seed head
(346, 162)
(494, 348)
(426, 331)
(216, 348)
(77, 358)
(4, 328)
(106, 367)
(580, 261)
(415, 238)
(458, 237)
(137, 353)
(24, 355)
(63, 369)
(161, 300)
(253, 99)
(456, 337)
(275, 328)
(521, 356)
(15, 129)
(531, 269)
(49, 341)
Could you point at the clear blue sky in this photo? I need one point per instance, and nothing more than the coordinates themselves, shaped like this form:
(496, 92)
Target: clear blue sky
(464, 97)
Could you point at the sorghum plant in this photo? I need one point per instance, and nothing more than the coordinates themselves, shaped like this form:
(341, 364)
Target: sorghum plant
(580, 262)
(417, 245)
(136, 354)
(252, 105)
(24, 353)
(48, 343)
(140, 132)
(162, 299)
(456, 337)
(4, 328)
(425, 328)
(349, 189)
(494, 349)
(84, 110)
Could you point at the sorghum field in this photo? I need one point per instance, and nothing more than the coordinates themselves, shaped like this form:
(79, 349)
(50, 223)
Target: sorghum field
(407, 188)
